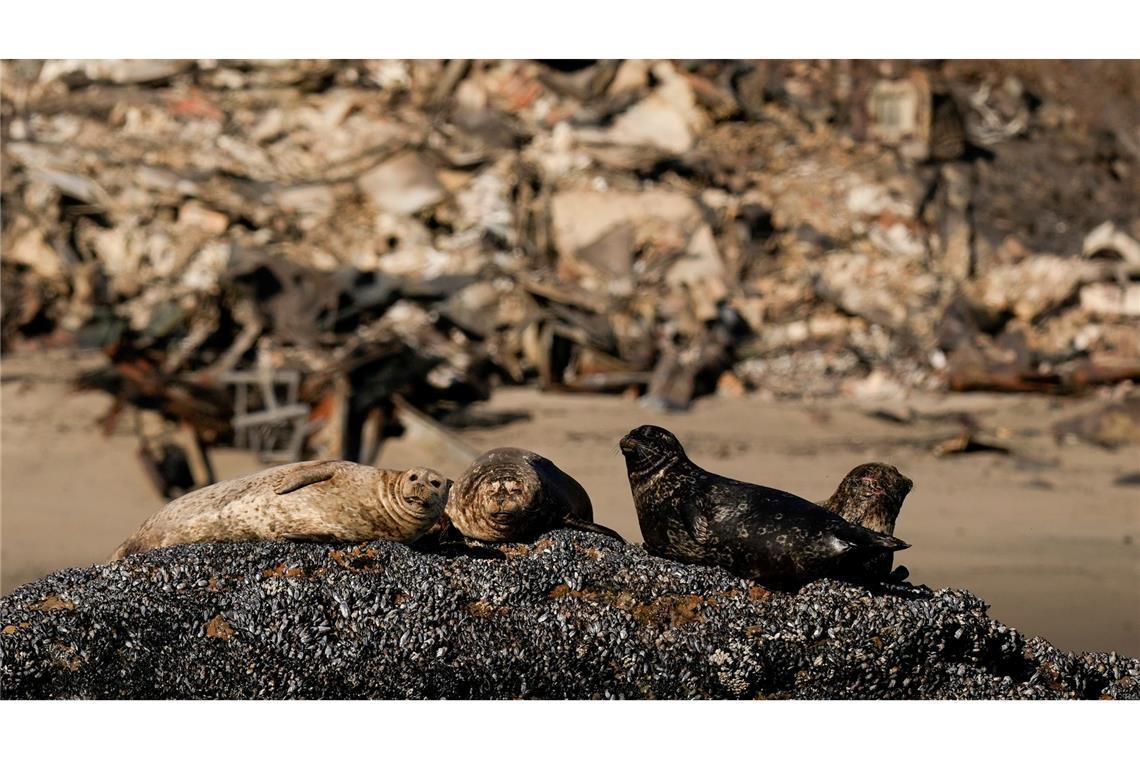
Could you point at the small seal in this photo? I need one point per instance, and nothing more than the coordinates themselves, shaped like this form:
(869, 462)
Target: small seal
(305, 501)
(510, 494)
(872, 495)
(691, 515)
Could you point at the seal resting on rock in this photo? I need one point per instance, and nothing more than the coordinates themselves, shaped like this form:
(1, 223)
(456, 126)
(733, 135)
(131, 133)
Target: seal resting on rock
(313, 501)
(872, 495)
(510, 494)
(779, 539)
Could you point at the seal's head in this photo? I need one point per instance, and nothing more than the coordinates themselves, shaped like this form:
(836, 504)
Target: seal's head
(871, 495)
(424, 491)
(499, 498)
(652, 438)
(650, 447)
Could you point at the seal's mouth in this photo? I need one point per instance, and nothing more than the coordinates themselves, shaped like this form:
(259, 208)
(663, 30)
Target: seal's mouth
(635, 450)
(630, 445)
(504, 518)
(429, 499)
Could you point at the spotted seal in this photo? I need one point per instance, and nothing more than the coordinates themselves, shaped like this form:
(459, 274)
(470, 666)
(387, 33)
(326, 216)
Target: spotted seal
(316, 501)
(872, 495)
(692, 515)
(510, 494)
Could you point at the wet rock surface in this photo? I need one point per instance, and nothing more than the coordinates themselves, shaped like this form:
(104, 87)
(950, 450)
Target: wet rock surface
(570, 616)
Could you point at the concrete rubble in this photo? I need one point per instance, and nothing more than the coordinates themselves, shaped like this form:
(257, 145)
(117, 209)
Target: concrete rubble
(663, 229)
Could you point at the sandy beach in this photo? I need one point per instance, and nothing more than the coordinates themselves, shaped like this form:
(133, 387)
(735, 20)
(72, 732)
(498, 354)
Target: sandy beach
(1046, 534)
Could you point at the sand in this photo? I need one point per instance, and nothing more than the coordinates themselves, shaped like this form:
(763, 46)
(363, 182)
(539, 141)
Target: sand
(1046, 535)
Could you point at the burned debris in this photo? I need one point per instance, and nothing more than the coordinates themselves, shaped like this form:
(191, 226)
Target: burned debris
(272, 253)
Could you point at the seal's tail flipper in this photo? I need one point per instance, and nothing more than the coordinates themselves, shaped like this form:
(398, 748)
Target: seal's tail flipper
(576, 523)
(127, 548)
(890, 543)
(858, 542)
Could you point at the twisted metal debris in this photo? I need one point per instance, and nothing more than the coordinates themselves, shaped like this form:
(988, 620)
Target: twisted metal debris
(602, 225)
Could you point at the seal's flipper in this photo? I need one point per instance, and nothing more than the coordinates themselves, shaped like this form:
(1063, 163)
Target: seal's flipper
(697, 523)
(125, 549)
(311, 538)
(304, 474)
(576, 523)
(889, 543)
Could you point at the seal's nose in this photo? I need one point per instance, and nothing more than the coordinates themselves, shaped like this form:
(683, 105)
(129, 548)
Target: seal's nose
(423, 479)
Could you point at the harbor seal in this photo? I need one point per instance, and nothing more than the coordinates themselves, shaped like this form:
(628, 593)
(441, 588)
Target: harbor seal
(510, 494)
(779, 539)
(872, 495)
(315, 501)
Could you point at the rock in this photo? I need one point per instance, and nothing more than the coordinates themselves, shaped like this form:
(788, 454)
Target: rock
(194, 214)
(897, 240)
(314, 201)
(998, 112)
(1108, 240)
(631, 76)
(955, 254)
(206, 268)
(31, 250)
(572, 615)
(899, 114)
(882, 290)
(117, 71)
(877, 386)
(700, 276)
(1109, 425)
(581, 217)
(402, 185)
(597, 234)
(485, 205)
(667, 119)
(1031, 287)
(1104, 299)
(729, 385)
(872, 199)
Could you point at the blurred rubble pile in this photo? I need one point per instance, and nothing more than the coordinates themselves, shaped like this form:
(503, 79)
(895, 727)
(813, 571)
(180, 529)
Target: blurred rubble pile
(660, 228)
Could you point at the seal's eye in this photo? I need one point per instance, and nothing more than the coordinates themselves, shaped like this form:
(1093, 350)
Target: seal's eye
(413, 477)
(436, 483)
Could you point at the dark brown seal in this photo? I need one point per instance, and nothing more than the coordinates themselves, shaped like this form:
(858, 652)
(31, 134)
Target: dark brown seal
(872, 495)
(692, 515)
(322, 500)
(511, 494)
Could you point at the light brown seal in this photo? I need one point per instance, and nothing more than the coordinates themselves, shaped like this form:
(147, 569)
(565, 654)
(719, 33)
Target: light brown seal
(872, 495)
(511, 494)
(315, 501)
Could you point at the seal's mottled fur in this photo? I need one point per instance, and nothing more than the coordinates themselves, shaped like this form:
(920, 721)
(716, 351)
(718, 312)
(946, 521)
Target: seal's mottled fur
(691, 515)
(511, 494)
(320, 500)
(872, 495)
